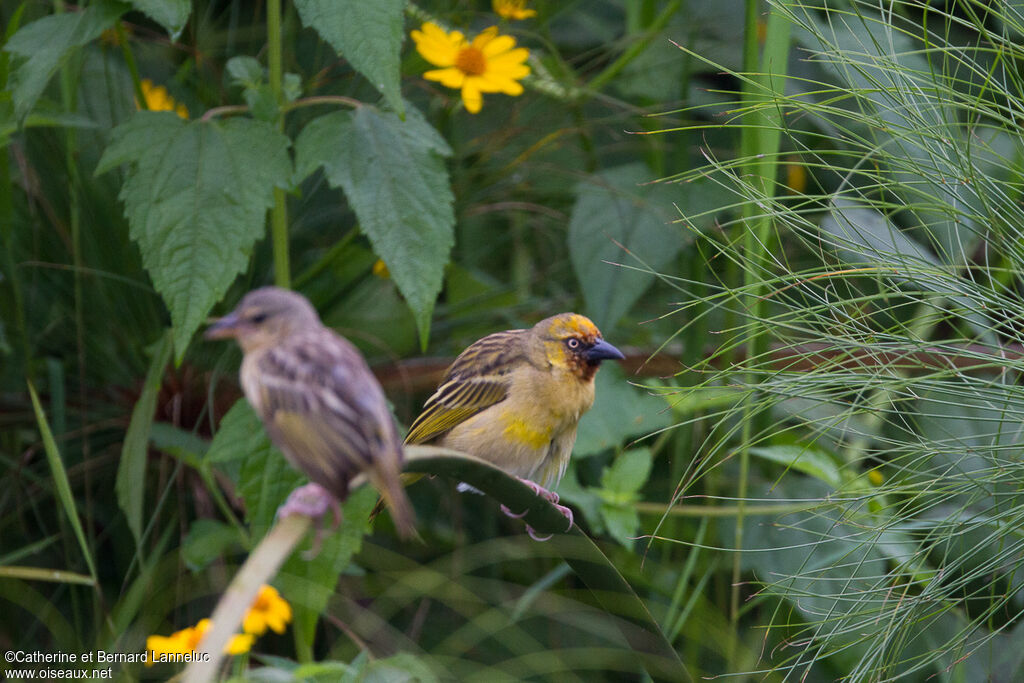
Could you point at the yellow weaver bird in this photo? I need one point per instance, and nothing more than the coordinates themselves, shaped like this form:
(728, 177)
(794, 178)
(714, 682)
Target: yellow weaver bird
(515, 398)
(319, 402)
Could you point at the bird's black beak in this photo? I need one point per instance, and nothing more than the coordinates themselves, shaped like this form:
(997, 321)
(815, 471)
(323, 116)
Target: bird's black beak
(602, 350)
(223, 328)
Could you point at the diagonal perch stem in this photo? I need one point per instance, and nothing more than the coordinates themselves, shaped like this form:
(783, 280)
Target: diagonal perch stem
(259, 569)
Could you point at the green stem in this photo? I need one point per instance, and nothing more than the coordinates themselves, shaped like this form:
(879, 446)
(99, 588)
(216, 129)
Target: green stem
(759, 145)
(748, 151)
(635, 49)
(129, 60)
(279, 231)
(279, 212)
(274, 48)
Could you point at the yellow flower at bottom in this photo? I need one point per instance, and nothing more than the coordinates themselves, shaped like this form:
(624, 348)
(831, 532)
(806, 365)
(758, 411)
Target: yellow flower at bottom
(187, 640)
(490, 63)
(158, 99)
(268, 609)
(512, 9)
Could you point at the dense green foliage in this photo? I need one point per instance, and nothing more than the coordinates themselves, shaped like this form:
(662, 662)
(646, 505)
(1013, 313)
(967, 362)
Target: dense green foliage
(801, 221)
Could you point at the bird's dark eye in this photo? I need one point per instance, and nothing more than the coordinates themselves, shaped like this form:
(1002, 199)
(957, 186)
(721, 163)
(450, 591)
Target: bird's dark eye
(572, 343)
(258, 318)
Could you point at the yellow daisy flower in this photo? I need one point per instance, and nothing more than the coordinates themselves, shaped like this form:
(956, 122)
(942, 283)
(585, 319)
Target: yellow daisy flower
(158, 99)
(187, 640)
(490, 63)
(268, 609)
(512, 9)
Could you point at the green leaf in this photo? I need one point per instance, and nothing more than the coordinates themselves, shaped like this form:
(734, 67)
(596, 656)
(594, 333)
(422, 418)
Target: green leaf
(171, 14)
(239, 434)
(618, 220)
(45, 44)
(131, 472)
(628, 473)
(60, 480)
(309, 584)
(394, 176)
(622, 522)
(250, 75)
(207, 540)
(196, 198)
(810, 461)
(263, 476)
(620, 411)
(178, 443)
(245, 71)
(367, 34)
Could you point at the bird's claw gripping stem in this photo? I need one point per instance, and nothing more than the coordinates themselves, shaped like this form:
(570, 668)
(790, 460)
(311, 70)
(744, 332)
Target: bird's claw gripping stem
(313, 501)
(551, 497)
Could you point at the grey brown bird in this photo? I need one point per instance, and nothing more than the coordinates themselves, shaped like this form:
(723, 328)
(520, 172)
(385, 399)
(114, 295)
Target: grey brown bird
(515, 398)
(319, 401)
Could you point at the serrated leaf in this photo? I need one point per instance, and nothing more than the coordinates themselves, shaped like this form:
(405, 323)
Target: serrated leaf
(618, 219)
(196, 197)
(393, 173)
(171, 14)
(45, 44)
(131, 472)
(367, 34)
(621, 411)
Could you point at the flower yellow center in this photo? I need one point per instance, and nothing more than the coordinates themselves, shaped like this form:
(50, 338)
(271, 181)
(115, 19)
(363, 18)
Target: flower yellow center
(471, 61)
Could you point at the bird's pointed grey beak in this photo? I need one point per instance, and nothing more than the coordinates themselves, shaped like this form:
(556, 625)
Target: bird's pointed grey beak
(602, 350)
(223, 328)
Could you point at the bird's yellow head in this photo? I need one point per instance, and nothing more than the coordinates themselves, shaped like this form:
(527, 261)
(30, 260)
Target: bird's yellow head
(264, 317)
(572, 342)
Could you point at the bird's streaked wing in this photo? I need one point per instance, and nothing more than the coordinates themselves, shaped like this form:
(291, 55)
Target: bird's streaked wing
(477, 379)
(319, 400)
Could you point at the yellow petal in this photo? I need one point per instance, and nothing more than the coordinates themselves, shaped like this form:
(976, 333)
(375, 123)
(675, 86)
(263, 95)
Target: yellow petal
(254, 622)
(276, 623)
(436, 46)
(239, 644)
(511, 88)
(498, 45)
(511, 71)
(471, 96)
(510, 58)
(485, 36)
(450, 78)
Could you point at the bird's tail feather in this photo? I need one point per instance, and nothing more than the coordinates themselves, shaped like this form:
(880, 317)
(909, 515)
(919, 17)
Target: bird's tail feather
(391, 490)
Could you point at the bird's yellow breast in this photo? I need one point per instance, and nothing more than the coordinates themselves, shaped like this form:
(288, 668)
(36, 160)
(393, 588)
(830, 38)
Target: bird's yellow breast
(518, 430)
